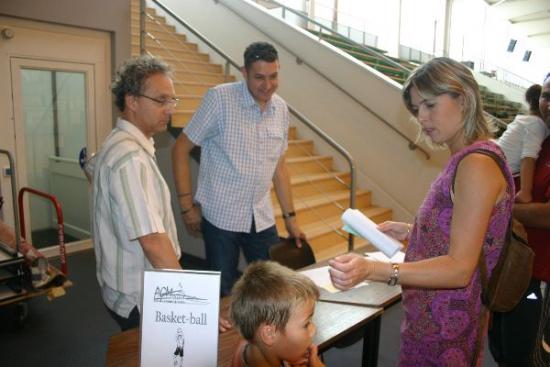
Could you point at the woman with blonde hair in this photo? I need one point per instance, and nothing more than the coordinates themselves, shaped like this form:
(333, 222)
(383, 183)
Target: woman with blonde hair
(462, 221)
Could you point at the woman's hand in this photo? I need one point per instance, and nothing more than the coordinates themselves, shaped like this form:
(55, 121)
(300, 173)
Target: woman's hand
(348, 270)
(397, 230)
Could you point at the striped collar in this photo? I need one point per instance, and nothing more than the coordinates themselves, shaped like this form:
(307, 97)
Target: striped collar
(148, 144)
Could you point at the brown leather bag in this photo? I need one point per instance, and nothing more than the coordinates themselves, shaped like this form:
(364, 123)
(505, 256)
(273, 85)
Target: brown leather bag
(512, 273)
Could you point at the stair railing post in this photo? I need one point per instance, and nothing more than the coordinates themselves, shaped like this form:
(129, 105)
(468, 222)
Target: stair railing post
(352, 188)
(142, 27)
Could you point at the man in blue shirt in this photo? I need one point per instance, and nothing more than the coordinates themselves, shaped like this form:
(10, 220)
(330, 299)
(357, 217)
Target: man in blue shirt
(242, 129)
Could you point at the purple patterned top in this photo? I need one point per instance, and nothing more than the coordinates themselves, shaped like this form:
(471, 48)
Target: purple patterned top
(441, 326)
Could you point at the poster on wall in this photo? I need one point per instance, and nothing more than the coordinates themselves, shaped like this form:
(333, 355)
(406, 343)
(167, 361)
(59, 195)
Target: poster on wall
(179, 318)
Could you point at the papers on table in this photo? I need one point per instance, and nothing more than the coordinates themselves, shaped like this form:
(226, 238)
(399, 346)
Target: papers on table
(358, 224)
(321, 278)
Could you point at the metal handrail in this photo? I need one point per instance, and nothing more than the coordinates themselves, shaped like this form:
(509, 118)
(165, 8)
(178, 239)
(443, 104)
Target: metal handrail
(498, 122)
(411, 144)
(347, 39)
(292, 110)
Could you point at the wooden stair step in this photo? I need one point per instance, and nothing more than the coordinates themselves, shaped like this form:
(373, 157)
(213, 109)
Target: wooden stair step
(314, 208)
(201, 77)
(179, 53)
(177, 44)
(298, 179)
(176, 38)
(194, 88)
(311, 164)
(173, 43)
(299, 147)
(292, 133)
(150, 26)
(181, 118)
(180, 57)
(135, 9)
(189, 102)
(318, 183)
(135, 17)
(191, 65)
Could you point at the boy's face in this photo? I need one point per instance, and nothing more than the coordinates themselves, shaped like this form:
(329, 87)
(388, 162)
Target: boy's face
(291, 343)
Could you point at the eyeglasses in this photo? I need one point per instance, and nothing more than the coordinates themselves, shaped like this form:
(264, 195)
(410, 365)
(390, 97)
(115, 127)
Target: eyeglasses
(166, 102)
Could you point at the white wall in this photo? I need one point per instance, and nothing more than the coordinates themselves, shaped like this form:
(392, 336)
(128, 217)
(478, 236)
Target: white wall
(398, 177)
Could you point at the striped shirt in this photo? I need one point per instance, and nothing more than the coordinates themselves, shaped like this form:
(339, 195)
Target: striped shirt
(240, 149)
(130, 199)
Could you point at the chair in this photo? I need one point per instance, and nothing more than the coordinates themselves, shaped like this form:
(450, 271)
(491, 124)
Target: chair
(286, 253)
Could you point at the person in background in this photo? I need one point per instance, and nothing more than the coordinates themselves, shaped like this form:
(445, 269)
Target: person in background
(272, 306)
(514, 334)
(242, 129)
(464, 216)
(521, 143)
(132, 220)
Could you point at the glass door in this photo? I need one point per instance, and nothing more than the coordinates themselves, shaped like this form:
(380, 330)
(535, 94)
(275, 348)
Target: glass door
(53, 121)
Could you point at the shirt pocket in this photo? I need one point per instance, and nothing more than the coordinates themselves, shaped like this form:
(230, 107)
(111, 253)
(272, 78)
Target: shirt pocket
(274, 139)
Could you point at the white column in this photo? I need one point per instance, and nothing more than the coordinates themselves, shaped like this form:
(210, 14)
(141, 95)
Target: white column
(447, 27)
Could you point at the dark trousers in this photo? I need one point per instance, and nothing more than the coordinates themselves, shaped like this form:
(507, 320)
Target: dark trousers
(223, 249)
(512, 334)
(131, 322)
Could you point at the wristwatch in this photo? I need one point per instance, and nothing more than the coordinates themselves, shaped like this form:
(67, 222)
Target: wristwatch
(289, 215)
(394, 277)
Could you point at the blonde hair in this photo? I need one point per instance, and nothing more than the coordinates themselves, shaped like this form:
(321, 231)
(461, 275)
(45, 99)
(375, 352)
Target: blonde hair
(268, 293)
(446, 76)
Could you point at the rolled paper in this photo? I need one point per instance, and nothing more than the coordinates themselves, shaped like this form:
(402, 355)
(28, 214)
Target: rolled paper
(357, 223)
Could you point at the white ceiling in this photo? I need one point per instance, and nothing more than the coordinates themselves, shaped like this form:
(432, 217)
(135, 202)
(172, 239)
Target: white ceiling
(528, 17)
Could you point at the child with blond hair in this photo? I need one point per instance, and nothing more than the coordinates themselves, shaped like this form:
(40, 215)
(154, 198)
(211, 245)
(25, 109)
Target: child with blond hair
(272, 306)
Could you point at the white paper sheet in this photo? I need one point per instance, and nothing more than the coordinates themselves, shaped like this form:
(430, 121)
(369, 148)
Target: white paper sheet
(180, 311)
(357, 223)
(399, 257)
(321, 278)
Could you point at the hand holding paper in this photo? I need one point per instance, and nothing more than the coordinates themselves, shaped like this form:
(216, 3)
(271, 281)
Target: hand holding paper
(358, 224)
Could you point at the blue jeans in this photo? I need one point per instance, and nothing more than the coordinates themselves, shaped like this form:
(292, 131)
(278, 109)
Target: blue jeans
(223, 248)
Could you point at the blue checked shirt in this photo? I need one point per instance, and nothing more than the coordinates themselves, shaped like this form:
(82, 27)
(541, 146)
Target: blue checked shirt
(240, 148)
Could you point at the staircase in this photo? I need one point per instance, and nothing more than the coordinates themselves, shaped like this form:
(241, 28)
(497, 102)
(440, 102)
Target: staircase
(320, 193)
(493, 103)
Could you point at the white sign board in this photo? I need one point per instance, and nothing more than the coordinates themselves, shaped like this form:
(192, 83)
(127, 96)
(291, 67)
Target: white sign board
(179, 318)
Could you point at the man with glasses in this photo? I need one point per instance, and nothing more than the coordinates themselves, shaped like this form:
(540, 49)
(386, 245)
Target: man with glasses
(242, 129)
(132, 219)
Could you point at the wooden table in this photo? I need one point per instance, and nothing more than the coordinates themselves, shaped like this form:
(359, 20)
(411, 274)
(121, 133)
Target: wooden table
(333, 320)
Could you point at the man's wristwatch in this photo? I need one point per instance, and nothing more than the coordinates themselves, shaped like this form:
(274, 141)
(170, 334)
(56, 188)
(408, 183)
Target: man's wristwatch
(289, 215)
